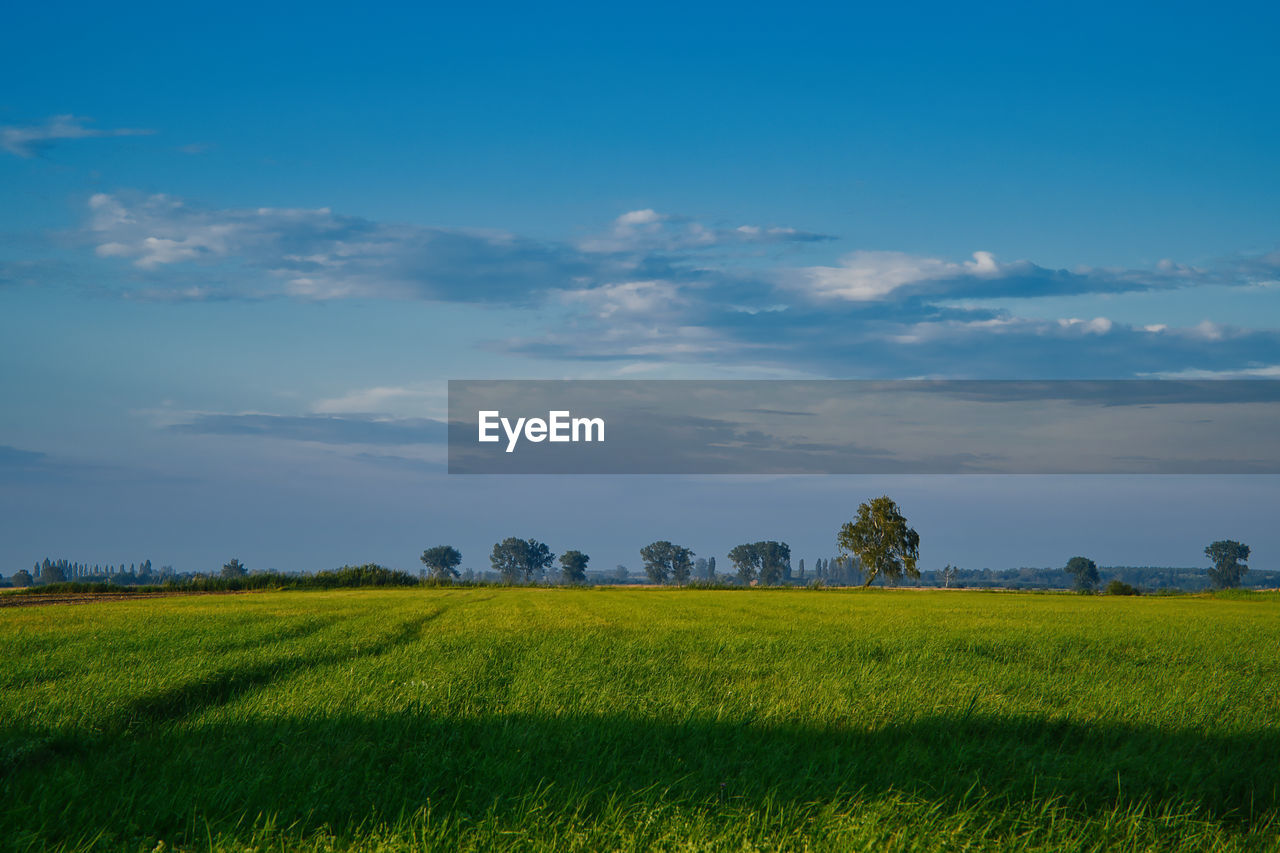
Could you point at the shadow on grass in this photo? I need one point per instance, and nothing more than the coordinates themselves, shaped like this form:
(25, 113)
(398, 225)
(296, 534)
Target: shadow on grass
(348, 772)
(24, 747)
(222, 686)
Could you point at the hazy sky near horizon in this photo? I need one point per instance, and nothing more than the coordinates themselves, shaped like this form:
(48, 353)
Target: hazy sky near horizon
(243, 249)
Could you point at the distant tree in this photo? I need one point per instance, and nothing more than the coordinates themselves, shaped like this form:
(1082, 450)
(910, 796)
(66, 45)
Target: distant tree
(442, 561)
(700, 567)
(746, 562)
(769, 562)
(540, 559)
(573, 567)
(1119, 587)
(621, 572)
(518, 560)
(775, 562)
(656, 558)
(52, 573)
(881, 539)
(508, 559)
(233, 569)
(1084, 573)
(1229, 566)
(949, 573)
(664, 561)
(22, 577)
(681, 565)
(800, 569)
(711, 568)
(844, 570)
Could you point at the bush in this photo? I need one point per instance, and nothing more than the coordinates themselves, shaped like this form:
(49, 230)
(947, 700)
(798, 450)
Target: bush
(1119, 587)
(369, 574)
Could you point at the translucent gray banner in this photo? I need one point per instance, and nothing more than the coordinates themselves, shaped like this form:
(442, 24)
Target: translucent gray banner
(863, 427)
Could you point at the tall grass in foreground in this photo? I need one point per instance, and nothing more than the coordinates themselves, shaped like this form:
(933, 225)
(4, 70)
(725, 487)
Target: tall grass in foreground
(641, 719)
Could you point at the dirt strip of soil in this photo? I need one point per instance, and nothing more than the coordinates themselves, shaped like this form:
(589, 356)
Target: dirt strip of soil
(11, 600)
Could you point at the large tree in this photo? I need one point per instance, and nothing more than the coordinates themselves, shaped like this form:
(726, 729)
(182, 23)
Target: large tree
(573, 566)
(1229, 566)
(442, 561)
(520, 560)
(664, 561)
(881, 539)
(1084, 573)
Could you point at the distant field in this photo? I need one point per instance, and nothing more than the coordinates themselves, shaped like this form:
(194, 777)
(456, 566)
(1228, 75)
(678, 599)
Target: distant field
(641, 719)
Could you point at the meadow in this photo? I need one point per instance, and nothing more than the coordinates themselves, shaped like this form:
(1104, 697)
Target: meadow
(641, 719)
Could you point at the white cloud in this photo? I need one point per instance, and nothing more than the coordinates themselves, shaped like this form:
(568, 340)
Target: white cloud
(1096, 326)
(646, 298)
(30, 140)
(1210, 330)
(649, 230)
(866, 276)
(639, 217)
(317, 254)
(648, 293)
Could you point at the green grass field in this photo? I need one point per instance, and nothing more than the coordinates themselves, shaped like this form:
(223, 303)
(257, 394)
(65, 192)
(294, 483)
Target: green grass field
(641, 719)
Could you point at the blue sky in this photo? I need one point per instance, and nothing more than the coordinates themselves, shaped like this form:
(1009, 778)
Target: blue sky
(296, 223)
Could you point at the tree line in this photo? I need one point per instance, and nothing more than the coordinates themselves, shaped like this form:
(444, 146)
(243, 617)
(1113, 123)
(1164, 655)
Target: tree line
(62, 571)
(878, 545)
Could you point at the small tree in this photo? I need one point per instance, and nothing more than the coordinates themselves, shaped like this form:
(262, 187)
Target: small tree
(949, 573)
(573, 566)
(233, 569)
(881, 539)
(1084, 573)
(442, 561)
(1229, 566)
(22, 577)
